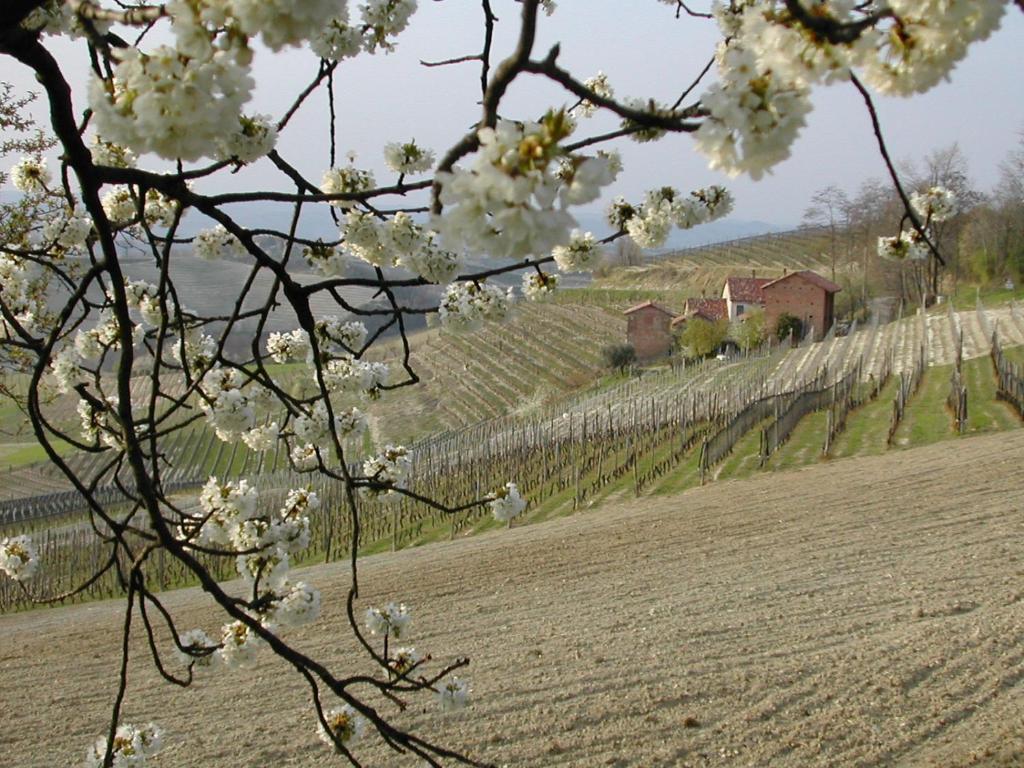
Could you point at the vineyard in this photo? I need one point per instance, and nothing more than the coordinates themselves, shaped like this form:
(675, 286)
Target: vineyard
(492, 407)
(701, 271)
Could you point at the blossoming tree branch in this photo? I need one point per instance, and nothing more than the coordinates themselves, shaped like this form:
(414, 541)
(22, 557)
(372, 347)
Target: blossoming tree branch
(172, 83)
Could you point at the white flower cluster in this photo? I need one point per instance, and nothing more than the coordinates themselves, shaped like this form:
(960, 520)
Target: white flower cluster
(313, 428)
(755, 114)
(313, 431)
(408, 158)
(217, 243)
(119, 206)
(91, 343)
(133, 745)
(579, 255)
(453, 694)
(399, 241)
(344, 725)
(22, 291)
(392, 620)
(230, 403)
(101, 423)
(170, 104)
(650, 225)
(30, 175)
(598, 84)
(325, 259)
(639, 132)
(506, 503)
(266, 542)
(158, 209)
(254, 138)
(338, 338)
(349, 374)
(195, 350)
(145, 297)
(512, 203)
(18, 557)
(107, 153)
(465, 306)
(923, 41)
(283, 347)
(935, 204)
(906, 245)
(385, 19)
(346, 181)
(67, 232)
(389, 468)
(538, 285)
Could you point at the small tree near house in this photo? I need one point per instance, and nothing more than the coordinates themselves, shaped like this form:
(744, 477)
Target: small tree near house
(701, 337)
(618, 356)
(787, 324)
(749, 332)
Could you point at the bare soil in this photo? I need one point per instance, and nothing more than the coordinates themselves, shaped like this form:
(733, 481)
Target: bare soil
(864, 612)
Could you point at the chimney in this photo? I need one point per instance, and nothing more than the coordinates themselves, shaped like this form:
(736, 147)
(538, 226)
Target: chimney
(753, 274)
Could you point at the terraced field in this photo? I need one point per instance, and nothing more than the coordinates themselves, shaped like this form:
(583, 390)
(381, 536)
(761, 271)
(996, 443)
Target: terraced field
(865, 612)
(703, 270)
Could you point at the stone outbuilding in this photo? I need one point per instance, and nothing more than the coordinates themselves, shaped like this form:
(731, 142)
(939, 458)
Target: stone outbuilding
(649, 330)
(804, 295)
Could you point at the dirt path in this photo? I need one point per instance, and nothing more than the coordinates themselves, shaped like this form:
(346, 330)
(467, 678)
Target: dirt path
(865, 612)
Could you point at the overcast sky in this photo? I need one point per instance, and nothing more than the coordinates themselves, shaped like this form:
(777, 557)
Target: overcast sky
(645, 52)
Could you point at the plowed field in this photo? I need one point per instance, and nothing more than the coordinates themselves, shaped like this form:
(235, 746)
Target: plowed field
(866, 612)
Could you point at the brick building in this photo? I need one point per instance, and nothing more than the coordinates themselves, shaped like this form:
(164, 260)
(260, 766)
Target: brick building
(804, 295)
(649, 330)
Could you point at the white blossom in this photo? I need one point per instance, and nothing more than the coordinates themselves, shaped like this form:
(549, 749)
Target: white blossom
(283, 347)
(465, 305)
(325, 259)
(344, 724)
(132, 746)
(253, 138)
(506, 503)
(170, 104)
(906, 245)
(203, 649)
(934, 205)
(304, 457)
(578, 255)
(338, 39)
(391, 620)
(408, 158)
(18, 557)
(217, 243)
(385, 19)
(346, 181)
(119, 205)
(30, 175)
(538, 285)
(512, 202)
(239, 646)
(452, 694)
(298, 605)
(598, 84)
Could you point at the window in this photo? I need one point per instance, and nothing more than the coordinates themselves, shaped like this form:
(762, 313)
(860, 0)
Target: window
(739, 310)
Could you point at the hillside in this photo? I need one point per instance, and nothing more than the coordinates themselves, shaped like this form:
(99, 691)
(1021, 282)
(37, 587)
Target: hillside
(702, 270)
(865, 612)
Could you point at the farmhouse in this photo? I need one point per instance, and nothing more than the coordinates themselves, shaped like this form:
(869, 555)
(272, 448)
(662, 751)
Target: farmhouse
(648, 330)
(743, 294)
(804, 295)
